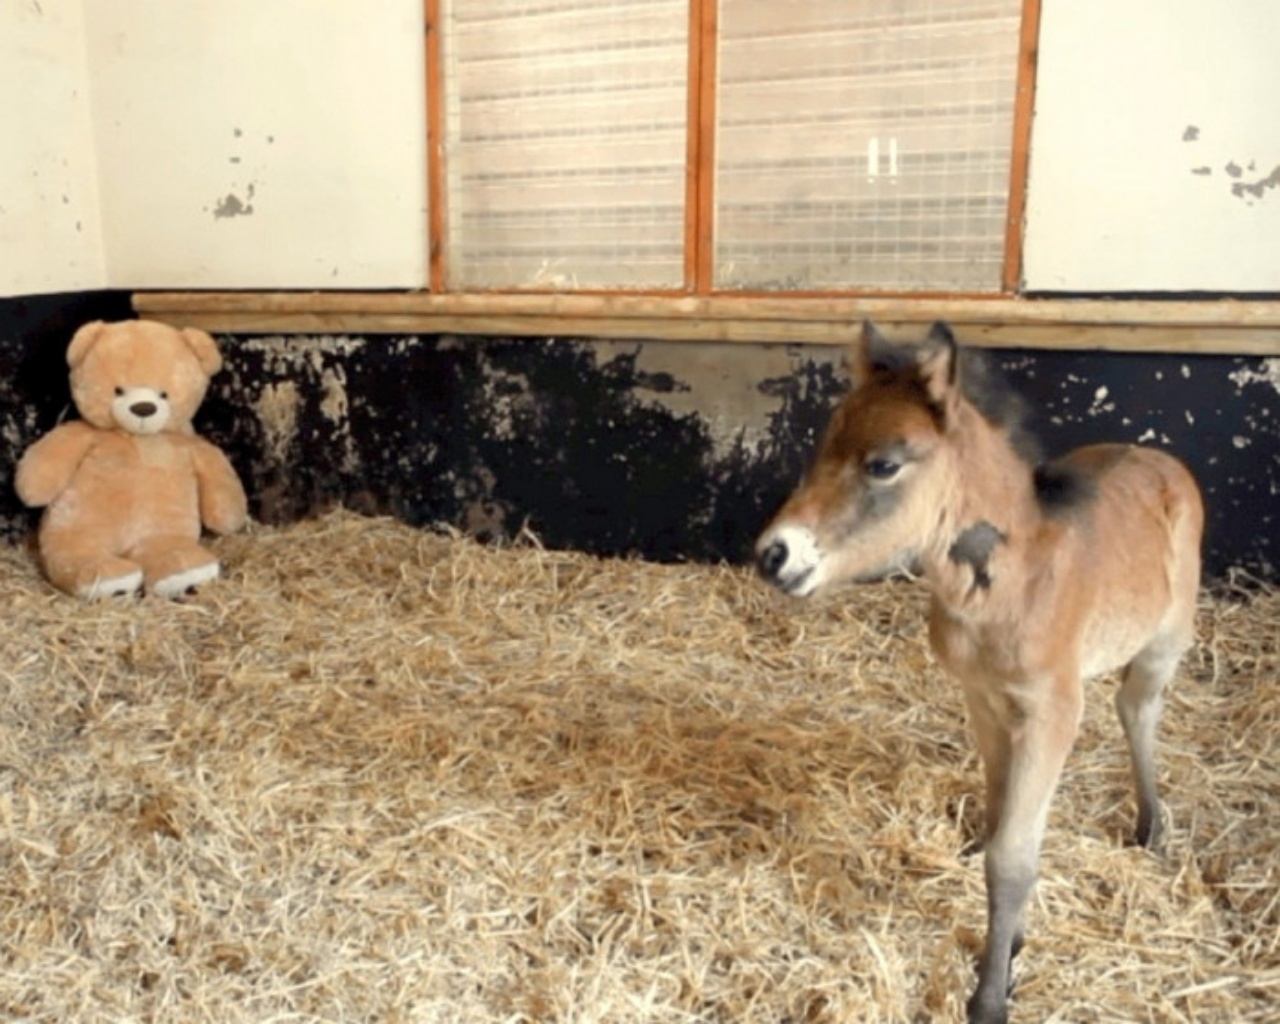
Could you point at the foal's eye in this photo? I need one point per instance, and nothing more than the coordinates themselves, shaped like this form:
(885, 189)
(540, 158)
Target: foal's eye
(882, 469)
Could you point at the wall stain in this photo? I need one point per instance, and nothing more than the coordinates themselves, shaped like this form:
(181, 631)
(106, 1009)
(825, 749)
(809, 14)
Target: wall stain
(1268, 373)
(277, 412)
(232, 205)
(1256, 189)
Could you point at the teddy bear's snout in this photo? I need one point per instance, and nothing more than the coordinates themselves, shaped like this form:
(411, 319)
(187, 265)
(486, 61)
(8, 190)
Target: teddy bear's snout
(141, 411)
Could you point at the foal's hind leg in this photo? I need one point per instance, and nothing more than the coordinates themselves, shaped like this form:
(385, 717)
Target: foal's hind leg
(1139, 703)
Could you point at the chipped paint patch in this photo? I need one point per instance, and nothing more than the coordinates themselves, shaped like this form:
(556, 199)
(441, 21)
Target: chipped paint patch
(1257, 189)
(712, 382)
(277, 410)
(1268, 373)
(334, 407)
(232, 205)
(1100, 404)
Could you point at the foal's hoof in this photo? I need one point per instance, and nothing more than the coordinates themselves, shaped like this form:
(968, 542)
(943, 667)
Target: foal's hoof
(1149, 835)
(977, 1011)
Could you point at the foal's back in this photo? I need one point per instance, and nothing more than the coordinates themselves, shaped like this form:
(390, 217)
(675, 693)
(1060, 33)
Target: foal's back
(1135, 550)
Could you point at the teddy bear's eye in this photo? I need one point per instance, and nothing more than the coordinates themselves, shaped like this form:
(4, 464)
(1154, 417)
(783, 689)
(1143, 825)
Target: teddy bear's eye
(119, 392)
(164, 395)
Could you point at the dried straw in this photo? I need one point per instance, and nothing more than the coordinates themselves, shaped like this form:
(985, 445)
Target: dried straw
(379, 773)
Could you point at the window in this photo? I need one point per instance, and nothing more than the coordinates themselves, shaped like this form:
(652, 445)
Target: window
(831, 145)
(566, 137)
(864, 145)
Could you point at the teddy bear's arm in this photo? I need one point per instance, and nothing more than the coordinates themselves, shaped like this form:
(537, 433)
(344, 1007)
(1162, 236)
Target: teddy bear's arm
(46, 468)
(223, 506)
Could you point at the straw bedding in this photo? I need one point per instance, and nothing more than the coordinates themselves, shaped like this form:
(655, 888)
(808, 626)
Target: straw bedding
(384, 774)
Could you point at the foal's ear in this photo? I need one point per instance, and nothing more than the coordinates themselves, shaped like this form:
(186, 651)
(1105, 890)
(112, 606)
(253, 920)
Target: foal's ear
(874, 352)
(939, 364)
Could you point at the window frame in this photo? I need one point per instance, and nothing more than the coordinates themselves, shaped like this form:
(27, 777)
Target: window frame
(700, 312)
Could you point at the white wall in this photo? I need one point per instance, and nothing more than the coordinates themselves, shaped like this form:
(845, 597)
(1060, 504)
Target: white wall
(1155, 131)
(281, 144)
(50, 239)
(260, 143)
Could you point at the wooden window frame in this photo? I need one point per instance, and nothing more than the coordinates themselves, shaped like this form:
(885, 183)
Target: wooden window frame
(700, 312)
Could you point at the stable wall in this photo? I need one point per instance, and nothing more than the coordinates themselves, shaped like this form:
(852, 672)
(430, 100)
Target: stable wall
(1155, 150)
(148, 143)
(665, 450)
(239, 144)
(50, 228)
(281, 145)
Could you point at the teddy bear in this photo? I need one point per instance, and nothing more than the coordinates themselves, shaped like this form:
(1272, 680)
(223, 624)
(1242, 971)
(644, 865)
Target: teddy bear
(128, 487)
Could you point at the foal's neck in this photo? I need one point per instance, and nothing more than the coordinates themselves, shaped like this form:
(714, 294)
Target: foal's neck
(983, 540)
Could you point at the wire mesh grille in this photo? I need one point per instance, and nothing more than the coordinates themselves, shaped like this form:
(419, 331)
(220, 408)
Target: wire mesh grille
(864, 144)
(859, 143)
(565, 126)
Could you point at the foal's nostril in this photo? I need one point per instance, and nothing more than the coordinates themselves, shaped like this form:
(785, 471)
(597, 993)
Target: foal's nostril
(772, 559)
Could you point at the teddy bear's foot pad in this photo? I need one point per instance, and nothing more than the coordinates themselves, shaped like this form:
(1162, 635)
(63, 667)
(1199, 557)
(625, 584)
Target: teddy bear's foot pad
(112, 586)
(181, 582)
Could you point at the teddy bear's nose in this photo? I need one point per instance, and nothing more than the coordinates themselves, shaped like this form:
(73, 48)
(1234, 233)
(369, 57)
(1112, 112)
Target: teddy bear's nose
(143, 409)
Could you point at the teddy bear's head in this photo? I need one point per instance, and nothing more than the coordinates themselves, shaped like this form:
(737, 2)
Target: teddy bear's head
(139, 375)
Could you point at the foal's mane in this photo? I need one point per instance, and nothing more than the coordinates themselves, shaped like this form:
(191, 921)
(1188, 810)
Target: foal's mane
(1059, 488)
(988, 390)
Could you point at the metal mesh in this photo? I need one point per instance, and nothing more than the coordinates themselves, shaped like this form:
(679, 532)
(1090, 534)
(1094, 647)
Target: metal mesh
(565, 142)
(864, 144)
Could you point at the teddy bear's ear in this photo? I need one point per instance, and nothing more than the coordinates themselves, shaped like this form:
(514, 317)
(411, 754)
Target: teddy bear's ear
(83, 340)
(205, 348)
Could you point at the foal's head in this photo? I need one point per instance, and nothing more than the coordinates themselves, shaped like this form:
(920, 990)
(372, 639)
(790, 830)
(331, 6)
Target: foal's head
(884, 479)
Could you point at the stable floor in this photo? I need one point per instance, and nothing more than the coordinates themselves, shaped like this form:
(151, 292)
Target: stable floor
(383, 773)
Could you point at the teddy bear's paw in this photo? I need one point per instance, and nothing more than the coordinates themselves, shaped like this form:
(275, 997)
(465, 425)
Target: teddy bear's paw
(182, 582)
(111, 586)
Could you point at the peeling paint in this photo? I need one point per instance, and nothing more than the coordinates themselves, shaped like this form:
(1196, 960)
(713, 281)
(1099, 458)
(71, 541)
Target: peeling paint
(334, 407)
(1268, 373)
(1256, 189)
(277, 411)
(233, 206)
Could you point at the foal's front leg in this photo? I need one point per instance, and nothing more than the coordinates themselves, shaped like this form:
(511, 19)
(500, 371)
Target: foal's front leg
(1030, 746)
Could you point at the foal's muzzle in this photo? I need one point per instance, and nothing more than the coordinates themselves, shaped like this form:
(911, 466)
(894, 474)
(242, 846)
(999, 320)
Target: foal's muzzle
(777, 563)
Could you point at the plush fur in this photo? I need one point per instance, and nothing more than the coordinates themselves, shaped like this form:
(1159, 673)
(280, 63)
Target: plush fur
(128, 488)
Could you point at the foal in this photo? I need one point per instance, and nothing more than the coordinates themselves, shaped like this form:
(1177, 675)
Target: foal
(1040, 578)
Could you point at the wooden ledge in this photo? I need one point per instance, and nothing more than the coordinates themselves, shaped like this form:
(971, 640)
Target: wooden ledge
(1230, 326)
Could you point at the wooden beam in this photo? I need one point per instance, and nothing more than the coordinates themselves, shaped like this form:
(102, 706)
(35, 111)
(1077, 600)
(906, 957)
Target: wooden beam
(1229, 325)
(1020, 159)
(703, 168)
(437, 222)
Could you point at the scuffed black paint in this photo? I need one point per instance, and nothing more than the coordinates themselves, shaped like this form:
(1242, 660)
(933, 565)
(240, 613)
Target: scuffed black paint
(1193, 407)
(502, 435)
(577, 441)
(35, 392)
